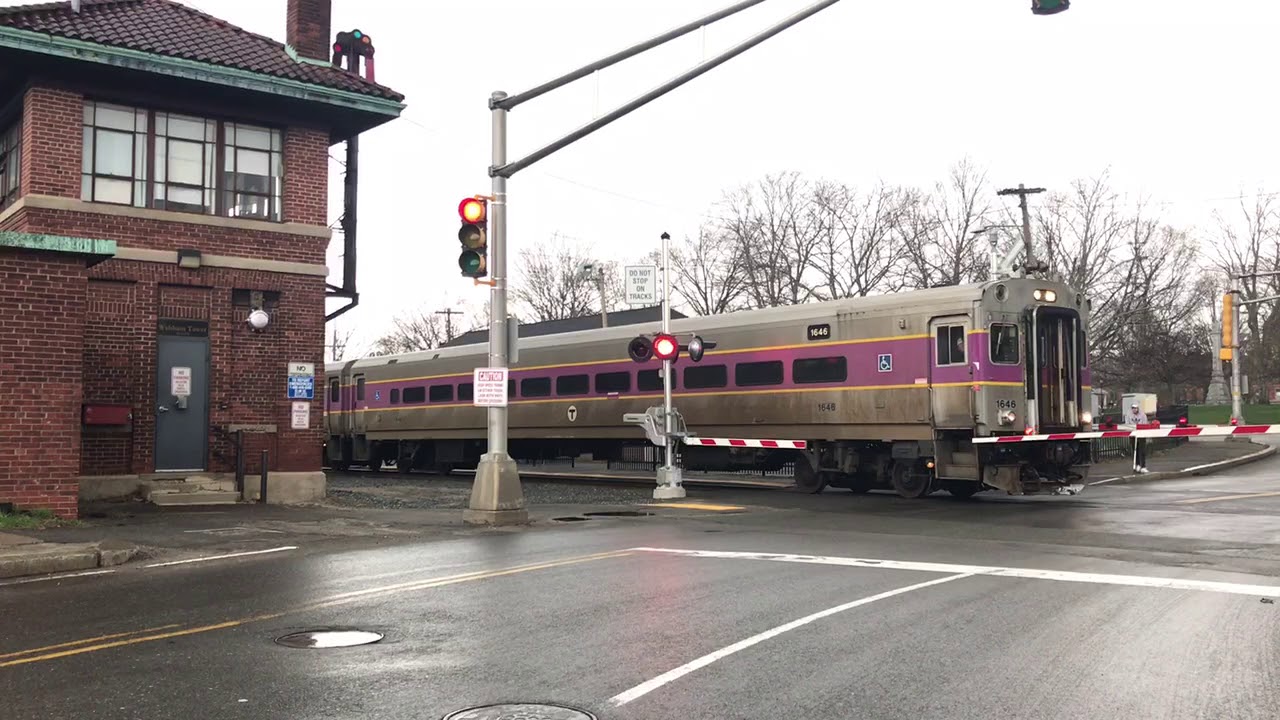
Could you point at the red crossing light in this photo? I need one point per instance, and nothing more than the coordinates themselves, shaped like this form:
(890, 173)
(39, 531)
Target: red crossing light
(665, 347)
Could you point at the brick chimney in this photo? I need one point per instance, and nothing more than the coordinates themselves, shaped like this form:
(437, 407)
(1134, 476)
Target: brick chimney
(308, 30)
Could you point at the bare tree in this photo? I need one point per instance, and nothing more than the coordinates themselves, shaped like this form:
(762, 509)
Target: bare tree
(706, 272)
(857, 253)
(553, 285)
(416, 331)
(942, 249)
(776, 229)
(339, 342)
(1245, 247)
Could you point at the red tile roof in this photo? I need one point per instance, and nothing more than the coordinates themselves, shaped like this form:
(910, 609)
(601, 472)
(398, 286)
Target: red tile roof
(165, 27)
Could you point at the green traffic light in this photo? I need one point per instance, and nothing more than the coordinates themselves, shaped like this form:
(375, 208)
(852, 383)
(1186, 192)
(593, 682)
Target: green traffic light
(1049, 7)
(471, 263)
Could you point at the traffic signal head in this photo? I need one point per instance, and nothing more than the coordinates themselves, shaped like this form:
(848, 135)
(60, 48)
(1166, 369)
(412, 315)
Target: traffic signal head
(1049, 7)
(640, 349)
(665, 347)
(474, 237)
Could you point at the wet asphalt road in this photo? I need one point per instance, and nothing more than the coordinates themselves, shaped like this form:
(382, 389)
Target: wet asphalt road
(597, 614)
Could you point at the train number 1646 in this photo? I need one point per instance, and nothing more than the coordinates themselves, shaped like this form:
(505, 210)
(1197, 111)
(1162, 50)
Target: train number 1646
(826, 407)
(1007, 404)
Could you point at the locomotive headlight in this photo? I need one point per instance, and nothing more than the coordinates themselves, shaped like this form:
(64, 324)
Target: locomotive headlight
(1038, 294)
(1050, 296)
(1086, 417)
(1007, 417)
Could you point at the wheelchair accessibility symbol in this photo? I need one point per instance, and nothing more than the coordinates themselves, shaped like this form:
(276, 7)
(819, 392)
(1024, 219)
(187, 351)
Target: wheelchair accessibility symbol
(886, 363)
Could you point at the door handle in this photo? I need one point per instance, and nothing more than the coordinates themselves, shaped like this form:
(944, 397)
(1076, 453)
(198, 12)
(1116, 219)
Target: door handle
(162, 409)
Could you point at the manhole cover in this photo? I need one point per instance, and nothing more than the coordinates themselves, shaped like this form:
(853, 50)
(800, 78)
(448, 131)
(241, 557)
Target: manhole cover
(520, 711)
(329, 638)
(619, 513)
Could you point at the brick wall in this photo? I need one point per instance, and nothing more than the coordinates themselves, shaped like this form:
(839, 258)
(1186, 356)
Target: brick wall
(51, 140)
(248, 369)
(41, 330)
(111, 313)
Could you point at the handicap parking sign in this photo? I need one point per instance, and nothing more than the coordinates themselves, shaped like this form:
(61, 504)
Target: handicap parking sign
(886, 363)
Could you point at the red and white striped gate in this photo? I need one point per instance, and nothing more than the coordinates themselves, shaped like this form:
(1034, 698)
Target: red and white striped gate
(1140, 432)
(742, 442)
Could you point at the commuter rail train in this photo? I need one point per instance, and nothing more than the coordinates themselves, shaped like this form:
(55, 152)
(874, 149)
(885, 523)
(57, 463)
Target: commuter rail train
(888, 391)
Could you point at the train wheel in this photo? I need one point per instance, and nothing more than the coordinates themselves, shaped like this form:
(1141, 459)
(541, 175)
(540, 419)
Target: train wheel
(809, 480)
(912, 480)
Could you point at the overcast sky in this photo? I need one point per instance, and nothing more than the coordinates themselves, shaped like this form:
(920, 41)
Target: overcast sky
(1174, 96)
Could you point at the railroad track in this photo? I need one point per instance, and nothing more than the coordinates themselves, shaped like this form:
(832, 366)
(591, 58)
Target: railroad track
(586, 477)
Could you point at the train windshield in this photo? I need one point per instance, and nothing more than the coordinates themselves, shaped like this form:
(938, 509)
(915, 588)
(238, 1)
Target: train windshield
(1057, 366)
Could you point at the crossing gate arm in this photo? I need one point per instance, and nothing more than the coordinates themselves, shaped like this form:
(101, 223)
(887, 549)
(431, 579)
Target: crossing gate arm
(1202, 431)
(742, 442)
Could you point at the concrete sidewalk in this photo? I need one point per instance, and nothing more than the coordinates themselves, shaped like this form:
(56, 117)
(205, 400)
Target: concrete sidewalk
(1199, 456)
(26, 555)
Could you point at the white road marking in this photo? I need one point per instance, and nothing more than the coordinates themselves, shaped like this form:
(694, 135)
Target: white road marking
(1026, 573)
(64, 576)
(223, 557)
(671, 675)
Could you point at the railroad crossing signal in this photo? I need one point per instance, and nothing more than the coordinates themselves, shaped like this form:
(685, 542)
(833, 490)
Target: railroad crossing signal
(474, 237)
(666, 347)
(1049, 7)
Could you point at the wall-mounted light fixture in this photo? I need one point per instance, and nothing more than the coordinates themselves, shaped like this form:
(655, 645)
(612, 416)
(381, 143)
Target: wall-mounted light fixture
(189, 259)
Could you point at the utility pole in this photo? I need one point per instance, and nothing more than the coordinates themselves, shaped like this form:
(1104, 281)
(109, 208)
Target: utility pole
(448, 322)
(1022, 191)
(496, 495)
(604, 303)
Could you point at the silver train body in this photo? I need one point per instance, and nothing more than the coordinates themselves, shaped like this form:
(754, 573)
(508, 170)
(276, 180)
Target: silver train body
(889, 391)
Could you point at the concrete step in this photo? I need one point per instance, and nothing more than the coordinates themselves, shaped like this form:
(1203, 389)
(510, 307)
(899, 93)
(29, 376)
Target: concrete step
(194, 483)
(194, 497)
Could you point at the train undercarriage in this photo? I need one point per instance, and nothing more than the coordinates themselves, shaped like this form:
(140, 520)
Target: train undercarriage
(912, 469)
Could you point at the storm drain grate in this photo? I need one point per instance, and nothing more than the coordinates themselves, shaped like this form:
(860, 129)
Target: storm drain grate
(520, 711)
(324, 639)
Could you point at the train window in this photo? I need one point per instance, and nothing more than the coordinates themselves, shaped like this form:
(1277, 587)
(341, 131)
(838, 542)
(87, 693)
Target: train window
(758, 373)
(614, 382)
(335, 391)
(413, 395)
(950, 345)
(820, 370)
(1004, 343)
(706, 376)
(466, 392)
(573, 385)
(535, 387)
(650, 380)
(360, 389)
(395, 396)
(441, 393)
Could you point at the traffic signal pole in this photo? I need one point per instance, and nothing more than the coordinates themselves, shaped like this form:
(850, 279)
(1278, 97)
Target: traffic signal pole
(496, 495)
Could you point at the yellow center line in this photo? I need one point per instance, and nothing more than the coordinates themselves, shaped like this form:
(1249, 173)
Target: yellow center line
(330, 601)
(100, 638)
(1220, 498)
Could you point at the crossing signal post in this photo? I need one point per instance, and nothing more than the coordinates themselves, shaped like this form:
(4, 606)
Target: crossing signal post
(474, 237)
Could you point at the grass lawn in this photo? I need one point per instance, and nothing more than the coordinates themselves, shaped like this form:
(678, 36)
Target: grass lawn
(31, 520)
(1221, 414)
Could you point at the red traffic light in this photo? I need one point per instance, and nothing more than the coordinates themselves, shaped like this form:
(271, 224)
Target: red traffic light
(665, 347)
(472, 210)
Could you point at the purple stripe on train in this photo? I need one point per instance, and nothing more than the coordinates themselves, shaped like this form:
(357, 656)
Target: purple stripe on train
(888, 362)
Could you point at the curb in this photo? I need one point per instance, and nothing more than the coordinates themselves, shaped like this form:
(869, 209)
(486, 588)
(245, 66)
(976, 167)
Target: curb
(1196, 471)
(47, 558)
